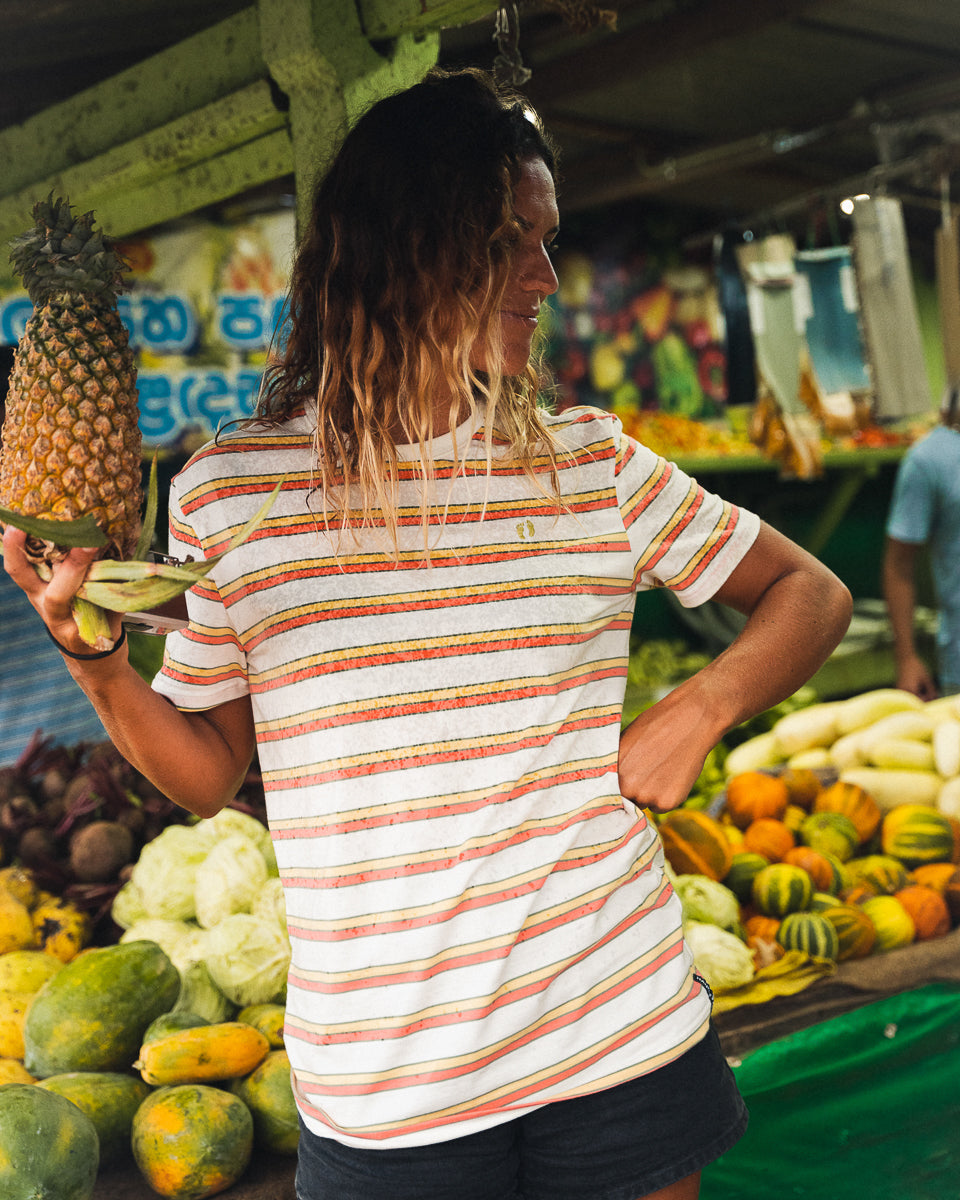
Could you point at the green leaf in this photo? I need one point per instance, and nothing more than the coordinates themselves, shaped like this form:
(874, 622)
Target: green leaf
(82, 532)
(149, 526)
(136, 586)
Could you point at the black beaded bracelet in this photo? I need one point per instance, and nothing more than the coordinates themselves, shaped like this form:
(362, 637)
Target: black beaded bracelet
(85, 657)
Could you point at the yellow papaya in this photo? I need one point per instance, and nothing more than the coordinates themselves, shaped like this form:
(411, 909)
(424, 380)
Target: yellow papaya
(13, 1016)
(61, 929)
(203, 1054)
(16, 928)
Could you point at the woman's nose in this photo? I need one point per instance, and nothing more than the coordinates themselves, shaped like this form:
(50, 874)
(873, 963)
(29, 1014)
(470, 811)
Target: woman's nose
(539, 274)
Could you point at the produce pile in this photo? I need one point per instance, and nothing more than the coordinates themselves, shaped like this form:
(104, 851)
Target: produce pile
(78, 818)
(819, 848)
(168, 1043)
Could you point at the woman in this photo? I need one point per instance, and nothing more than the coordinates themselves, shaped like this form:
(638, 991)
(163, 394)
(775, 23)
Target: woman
(489, 995)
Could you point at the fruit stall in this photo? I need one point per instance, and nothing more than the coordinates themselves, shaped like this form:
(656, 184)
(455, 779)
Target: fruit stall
(143, 954)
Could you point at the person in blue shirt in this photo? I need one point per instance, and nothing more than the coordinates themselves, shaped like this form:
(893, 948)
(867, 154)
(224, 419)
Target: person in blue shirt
(925, 512)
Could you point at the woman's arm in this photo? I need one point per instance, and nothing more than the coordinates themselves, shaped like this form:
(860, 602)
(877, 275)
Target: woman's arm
(797, 611)
(197, 759)
(899, 592)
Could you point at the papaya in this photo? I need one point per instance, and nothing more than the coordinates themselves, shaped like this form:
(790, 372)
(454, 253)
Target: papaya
(192, 1140)
(48, 1146)
(172, 1022)
(91, 1016)
(268, 1093)
(202, 1054)
(27, 970)
(268, 1018)
(13, 1016)
(60, 928)
(110, 1099)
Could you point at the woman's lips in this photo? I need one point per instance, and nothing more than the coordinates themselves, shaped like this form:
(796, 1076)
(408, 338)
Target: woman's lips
(525, 320)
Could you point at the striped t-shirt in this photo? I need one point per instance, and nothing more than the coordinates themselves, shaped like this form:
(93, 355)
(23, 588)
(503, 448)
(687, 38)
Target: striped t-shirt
(480, 923)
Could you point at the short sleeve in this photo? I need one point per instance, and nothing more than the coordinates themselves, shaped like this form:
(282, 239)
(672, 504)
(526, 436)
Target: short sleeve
(911, 514)
(683, 537)
(204, 664)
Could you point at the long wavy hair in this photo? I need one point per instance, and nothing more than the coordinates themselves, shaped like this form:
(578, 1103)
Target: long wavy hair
(396, 290)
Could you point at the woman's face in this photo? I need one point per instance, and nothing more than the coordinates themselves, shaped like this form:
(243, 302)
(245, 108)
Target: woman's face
(531, 276)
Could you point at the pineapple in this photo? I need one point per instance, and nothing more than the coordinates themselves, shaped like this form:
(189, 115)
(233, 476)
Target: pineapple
(70, 457)
(71, 440)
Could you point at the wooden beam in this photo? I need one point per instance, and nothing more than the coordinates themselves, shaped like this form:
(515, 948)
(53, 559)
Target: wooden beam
(199, 122)
(390, 18)
(147, 161)
(187, 77)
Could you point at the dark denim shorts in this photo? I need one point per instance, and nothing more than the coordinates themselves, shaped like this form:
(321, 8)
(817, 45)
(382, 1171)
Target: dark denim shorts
(618, 1144)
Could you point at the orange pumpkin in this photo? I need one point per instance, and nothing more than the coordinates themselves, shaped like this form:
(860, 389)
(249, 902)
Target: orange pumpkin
(754, 794)
(854, 802)
(694, 843)
(928, 910)
(762, 927)
(769, 837)
(816, 865)
(802, 786)
(933, 875)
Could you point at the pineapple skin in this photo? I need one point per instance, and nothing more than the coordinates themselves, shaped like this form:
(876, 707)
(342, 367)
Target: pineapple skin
(71, 443)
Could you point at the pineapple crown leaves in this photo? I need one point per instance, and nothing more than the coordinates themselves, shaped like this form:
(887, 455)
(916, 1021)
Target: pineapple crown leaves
(65, 253)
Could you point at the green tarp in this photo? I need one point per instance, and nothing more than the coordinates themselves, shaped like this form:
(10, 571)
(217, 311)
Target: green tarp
(863, 1106)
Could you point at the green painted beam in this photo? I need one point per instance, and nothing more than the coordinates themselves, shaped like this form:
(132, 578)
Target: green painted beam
(209, 182)
(189, 76)
(196, 123)
(151, 159)
(389, 18)
(320, 57)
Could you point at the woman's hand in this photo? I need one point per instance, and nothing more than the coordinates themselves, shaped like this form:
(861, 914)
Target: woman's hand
(52, 600)
(797, 611)
(663, 750)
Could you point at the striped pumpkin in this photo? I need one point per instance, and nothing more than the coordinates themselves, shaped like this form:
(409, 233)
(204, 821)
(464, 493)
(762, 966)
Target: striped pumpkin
(854, 802)
(917, 834)
(831, 833)
(894, 925)
(810, 932)
(743, 870)
(881, 873)
(856, 934)
(826, 872)
(780, 889)
(695, 844)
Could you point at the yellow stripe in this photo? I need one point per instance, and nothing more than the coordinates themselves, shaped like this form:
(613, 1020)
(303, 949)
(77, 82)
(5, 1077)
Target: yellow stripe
(452, 747)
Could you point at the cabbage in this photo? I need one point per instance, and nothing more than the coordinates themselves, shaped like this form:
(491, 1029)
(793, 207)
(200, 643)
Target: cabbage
(200, 995)
(721, 957)
(248, 959)
(128, 907)
(228, 880)
(230, 821)
(703, 899)
(188, 948)
(165, 873)
(166, 934)
(270, 904)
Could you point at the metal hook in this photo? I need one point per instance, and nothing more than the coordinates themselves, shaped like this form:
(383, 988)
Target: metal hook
(508, 65)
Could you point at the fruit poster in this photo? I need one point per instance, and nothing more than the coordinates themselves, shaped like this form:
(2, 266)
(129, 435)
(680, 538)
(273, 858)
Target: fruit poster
(204, 302)
(628, 334)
